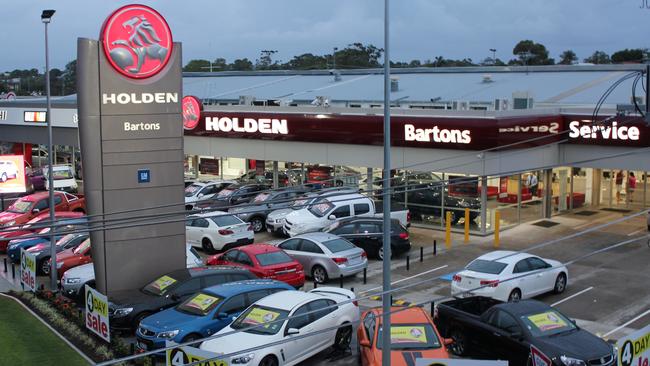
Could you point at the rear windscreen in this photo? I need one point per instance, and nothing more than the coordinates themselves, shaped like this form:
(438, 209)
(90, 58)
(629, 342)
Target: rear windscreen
(269, 259)
(484, 266)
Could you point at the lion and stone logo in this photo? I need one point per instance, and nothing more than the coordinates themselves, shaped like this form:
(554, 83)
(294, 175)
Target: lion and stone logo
(137, 41)
(191, 112)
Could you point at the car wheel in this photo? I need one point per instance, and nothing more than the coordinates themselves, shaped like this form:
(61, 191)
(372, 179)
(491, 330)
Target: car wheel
(258, 224)
(190, 338)
(515, 295)
(319, 274)
(269, 361)
(339, 183)
(343, 338)
(560, 284)
(459, 345)
(45, 268)
(207, 246)
(380, 253)
(3, 178)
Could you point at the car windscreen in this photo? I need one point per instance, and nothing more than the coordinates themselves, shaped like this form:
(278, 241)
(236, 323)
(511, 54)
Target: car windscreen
(410, 336)
(160, 285)
(82, 247)
(271, 258)
(225, 220)
(65, 239)
(300, 203)
(62, 174)
(225, 193)
(547, 323)
(200, 304)
(338, 245)
(321, 207)
(192, 189)
(483, 266)
(256, 315)
(20, 206)
(261, 197)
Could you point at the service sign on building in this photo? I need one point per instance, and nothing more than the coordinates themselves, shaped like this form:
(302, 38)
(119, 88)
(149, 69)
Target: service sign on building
(453, 362)
(634, 350)
(27, 270)
(97, 314)
(181, 356)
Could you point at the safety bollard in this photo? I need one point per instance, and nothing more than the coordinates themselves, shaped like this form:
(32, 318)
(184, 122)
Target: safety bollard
(448, 230)
(365, 275)
(5, 259)
(408, 263)
(435, 247)
(341, 279)
(466, 225)
(497, 225)
(421, 254)
(315, 284)
(13, 271)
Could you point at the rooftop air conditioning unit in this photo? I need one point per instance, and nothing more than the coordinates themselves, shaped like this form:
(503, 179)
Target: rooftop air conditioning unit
(321, 101)
(522, 100)
(394, 84)
(460, 105)
(246, 99)
(487, 78)
(502, 104)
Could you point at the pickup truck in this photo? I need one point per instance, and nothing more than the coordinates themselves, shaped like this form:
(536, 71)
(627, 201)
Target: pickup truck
(326, 210)
(28, 207)
(484, 327)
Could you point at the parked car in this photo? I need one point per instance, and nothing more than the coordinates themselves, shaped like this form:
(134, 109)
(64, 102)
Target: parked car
(267, 179)
(203, 314)
(481, 326)
(217, 230)
(8, 170)
(127, 308)
(266, 202)
(368, 233)
(38, 179)
(325, 256)
(323, 211)
(265, 261)
(275, 219)
(43, 237)
(62, 178)
(510, 276)
(33, 225)
(321, 176)
(28, 207)
(43, 254)
(74, 280)
(235, 194)
(198, 191)
(412, 333)
(71, 258)
(323, 308)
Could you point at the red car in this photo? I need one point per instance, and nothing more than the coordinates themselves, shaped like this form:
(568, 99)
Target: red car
(28, 228)
(265, 261)
(71, 258)
(28, 207)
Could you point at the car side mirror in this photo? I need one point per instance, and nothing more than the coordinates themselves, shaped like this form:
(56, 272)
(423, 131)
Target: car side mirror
(448, 342)
(200, 195)
(36, 210)
(516, 335)
(292, 331)
(364, 343)
(175, 297)
(331, 217)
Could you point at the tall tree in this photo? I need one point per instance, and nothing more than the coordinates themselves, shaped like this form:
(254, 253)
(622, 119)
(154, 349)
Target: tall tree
(70, 78)
(265, 62)
(199, 65)
(628, 55)
(568, 57)
(598, 57)
(357, 55)
(307, 61)
(531, 53)
(242, 64)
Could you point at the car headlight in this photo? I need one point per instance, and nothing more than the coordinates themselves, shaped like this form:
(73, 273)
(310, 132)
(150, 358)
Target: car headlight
(241, 360)
(72, 280)
(59, 265)
(463, 204)
(9, 223)
(168, 334)
(570, 361)
(123, 311)
(279, 221)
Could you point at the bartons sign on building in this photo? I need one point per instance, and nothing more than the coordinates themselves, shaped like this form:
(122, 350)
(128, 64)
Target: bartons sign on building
(130, 121)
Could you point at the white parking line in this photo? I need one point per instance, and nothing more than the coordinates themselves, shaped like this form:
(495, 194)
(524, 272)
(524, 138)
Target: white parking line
(635, 232)
(572, 296)
(626, 323)
(407, 278)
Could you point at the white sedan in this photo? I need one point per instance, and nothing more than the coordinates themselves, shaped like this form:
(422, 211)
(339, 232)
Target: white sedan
(217, 231)
(510, 276)
(308, 312)
(199, 191)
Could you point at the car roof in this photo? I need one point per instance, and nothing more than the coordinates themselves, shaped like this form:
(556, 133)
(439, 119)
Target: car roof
(373, 219)
(407, 315)
(505, 256)
(35, 196)
(210, 214)
(186, 273)
(524, 307)
(258, 248)
(238, 287)
(317, 236)
(287, 300)
(346, 197)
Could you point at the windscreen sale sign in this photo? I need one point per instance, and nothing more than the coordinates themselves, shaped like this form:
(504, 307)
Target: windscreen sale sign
(97, 314)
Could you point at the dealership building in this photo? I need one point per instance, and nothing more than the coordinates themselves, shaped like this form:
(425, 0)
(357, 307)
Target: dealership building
(514, 140)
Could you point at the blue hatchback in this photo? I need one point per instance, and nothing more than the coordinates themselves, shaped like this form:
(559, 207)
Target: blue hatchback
(13, 249)
(205, 313)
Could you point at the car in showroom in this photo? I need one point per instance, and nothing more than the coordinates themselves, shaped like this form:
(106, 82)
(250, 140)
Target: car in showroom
(62, 178)
(412, 334)
(71, 258)
(75, 279)
(487, 328)
(128, 307)
(28, 207)
(326, 312)
(324, 256)
(266, 178)
(264, 203)
(203, 314)
(510, 276)
(32, 226)
(215, 231)
(43, 236)
(368, 233)
(265, 261)
(43, 253)
(233, 195)
(200, 190)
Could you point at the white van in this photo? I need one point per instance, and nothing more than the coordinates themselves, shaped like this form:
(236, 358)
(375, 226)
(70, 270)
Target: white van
(63, 176)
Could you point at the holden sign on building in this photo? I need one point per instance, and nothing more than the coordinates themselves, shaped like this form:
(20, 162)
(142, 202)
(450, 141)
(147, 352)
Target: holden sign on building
(131, 126)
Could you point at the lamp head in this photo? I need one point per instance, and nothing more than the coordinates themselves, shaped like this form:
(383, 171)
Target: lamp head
(46, 15)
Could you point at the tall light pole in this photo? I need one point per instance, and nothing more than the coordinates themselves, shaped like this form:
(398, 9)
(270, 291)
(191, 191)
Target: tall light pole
(386, 300)
(334, 58)
(494, 55)
(46, 16)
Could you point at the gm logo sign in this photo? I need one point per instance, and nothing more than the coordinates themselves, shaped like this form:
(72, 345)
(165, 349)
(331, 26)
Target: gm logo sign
(144, 176)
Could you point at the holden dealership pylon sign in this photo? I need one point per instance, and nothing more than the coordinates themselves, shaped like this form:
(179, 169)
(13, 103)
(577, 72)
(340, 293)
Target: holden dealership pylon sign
(131, 126)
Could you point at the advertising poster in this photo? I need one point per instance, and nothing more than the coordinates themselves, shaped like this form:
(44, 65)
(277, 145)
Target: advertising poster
(634, 350)
(539, 358)
(259, 316)
(181, 356)
(452, 362)
(27, 270)
(12, 174)
(97, 314)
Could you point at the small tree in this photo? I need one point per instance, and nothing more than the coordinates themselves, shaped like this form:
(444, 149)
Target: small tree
(197, 66)
(531, 53)
(598, 57)
(242, 64)
(628, 55)
(568, 57)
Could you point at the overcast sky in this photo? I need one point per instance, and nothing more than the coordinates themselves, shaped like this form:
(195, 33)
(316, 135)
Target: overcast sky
(420, 29)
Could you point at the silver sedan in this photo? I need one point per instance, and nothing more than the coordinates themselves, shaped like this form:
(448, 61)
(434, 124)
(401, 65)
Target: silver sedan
(325, 255)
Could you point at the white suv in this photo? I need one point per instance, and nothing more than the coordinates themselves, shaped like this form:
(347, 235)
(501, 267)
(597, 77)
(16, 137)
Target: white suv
(217, 230)
(8, 170)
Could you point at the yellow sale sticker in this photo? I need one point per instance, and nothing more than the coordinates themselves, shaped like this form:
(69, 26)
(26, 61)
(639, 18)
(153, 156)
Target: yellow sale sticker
(163, 282)
(259, 316)
(408, 334)
(203, 301)
(547, 321)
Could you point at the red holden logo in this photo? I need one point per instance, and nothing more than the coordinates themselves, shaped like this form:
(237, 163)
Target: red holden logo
(191, 112)
(137, 41)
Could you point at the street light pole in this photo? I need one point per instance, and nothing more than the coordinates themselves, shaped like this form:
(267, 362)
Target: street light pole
(494, 56)
(334, 58)
(45, 18)
(386, 300)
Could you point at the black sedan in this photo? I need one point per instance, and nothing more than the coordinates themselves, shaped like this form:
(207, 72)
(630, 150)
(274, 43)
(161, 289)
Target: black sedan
(367, 233)
(127, 308)
(235, 194)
